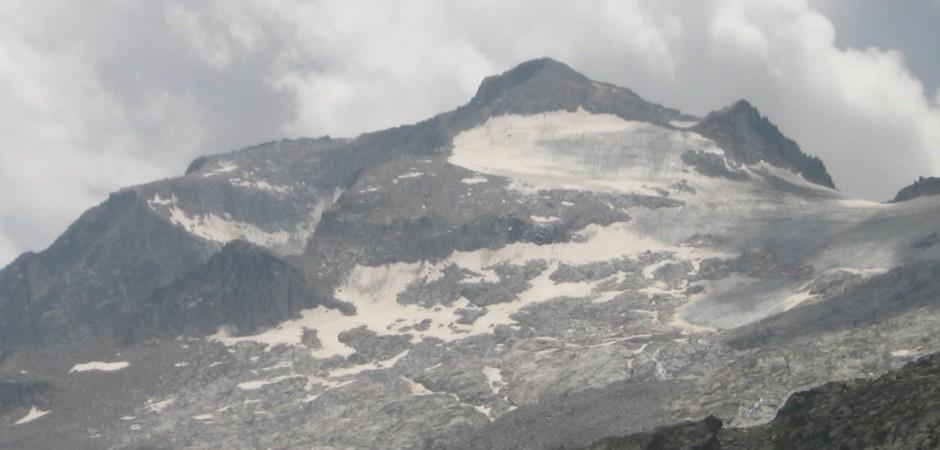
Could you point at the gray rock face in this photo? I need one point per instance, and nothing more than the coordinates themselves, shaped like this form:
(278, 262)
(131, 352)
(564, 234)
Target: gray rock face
(750, 138)
(507, 274)
(104, 265)
(906, 288)
(897, 410)
(243, 287)
(921, 188)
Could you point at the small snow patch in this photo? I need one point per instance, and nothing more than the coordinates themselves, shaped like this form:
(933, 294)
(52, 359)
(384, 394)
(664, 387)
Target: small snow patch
(683, 123)
(411, 175)
(224, 166)
(493, 378)
(203, 417)
(258, 384)
(541, 219)
(416, 388)
(32, 415)
(99, 366)
(157, 407)
(474, 180)
(259, 184)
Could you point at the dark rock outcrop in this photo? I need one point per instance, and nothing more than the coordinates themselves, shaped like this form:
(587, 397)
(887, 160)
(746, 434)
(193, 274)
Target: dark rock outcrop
(22, 393)
(700, 435)
(897, 410)
(243, 286)
(750, 138)
(900, 409)
(923, 187)
(106, 263)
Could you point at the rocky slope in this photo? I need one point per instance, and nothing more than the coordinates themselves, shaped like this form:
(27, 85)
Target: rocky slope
(900, 409)
(507, 274)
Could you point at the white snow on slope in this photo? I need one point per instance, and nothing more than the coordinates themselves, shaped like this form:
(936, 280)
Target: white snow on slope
(543, 219)
(222, 167)
(259, 184)
(578, 150)
(683, 123)
(374, 290)
(604, 153)
(258, 384)
(222, 228)
(99, 366)
(158, 406)
(33, 414)
(494, 379)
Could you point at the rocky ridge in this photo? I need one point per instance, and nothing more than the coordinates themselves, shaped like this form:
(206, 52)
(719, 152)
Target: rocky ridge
(923, 187)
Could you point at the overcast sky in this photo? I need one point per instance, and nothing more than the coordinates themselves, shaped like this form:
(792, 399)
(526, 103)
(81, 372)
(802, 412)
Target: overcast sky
(99, 95)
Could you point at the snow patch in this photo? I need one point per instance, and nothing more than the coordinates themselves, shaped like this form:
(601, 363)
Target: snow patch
(683, 123)
(410, 175)
(543, 219)
(793, 300)
(158, 406)
(33, 414)
(222, 167)
(258, 384)
(374, 291)
(474, 180)
(494, 378)
(99, 366)
(580, 150)
(416, 389)
(259, 184)
(223, 228)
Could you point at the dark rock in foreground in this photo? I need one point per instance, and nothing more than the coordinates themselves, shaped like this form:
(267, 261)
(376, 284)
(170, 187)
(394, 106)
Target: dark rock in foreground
(898, 410)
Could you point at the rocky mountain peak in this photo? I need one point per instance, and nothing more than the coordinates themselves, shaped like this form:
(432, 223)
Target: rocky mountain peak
(544, 85)
(923, 187)
(750, 138)
(544, 73)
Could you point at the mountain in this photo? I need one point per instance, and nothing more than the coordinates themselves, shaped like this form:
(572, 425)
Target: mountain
(509, 274)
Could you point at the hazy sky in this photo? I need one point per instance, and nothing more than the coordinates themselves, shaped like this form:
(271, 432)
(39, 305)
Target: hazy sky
(100, 95)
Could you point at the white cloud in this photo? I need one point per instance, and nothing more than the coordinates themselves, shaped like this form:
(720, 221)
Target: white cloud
(98, 96)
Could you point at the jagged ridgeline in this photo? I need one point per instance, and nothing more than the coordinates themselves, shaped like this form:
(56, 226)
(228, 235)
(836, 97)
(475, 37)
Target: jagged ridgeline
(555, 261)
